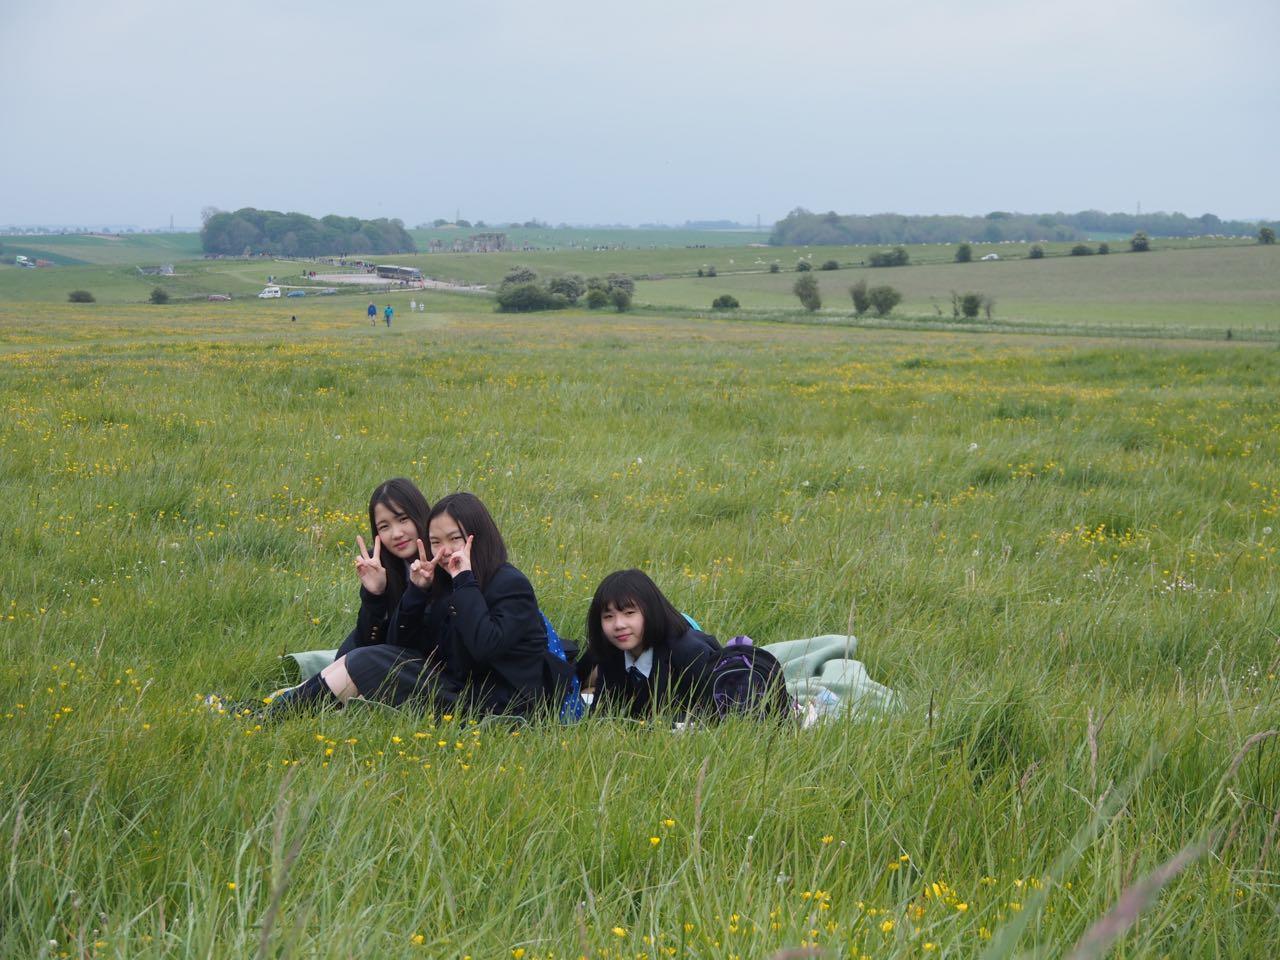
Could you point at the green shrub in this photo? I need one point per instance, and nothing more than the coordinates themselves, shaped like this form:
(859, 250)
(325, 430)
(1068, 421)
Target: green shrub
(1036, 252)
(804, 266)
(620, 281)
(726, 301)
(806, 288)
(964, 253)
(774, 268)
(883, 300)
(80, 296)
(861, 302)
(528, 297)
(1139, 243)
(830, 265)
(1104, 248)
(621, 299)
(897, 257)
(1082, 250)
(1266, 235)
(159, 295)
(970, 304)
(597, 298)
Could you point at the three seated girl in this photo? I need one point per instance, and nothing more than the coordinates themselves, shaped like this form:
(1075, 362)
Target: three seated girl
(446, 624)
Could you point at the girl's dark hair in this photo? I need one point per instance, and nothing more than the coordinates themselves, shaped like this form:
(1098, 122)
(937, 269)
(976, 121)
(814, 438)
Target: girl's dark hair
(399, 496)
(488, 551)
(623, 588)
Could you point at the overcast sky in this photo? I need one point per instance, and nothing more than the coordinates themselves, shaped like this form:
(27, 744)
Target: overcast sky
(127, 112)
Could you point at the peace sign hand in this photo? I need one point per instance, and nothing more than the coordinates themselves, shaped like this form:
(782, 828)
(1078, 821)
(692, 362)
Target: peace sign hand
(460, 559)
(423, 570)
(373, 576)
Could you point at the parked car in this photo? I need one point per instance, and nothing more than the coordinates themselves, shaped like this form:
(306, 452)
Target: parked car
(216, 297)
(992, 256)
(326, 291)
(269, 293)
(296, 293)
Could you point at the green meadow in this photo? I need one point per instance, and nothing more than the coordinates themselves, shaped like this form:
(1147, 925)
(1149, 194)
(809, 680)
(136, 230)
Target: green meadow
(1059, 551)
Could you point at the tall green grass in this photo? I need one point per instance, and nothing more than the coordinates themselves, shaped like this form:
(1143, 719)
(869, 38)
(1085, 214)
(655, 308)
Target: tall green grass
(1060, 553)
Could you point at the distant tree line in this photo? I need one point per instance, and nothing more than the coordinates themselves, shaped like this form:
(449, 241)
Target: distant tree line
(250, 231)
(801, 227)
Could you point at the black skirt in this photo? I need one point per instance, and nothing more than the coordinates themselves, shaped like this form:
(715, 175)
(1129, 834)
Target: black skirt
(393, 675)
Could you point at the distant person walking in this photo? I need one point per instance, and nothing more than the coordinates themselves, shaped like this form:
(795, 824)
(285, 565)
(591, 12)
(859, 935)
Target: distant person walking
(373, 314)
(387, 314)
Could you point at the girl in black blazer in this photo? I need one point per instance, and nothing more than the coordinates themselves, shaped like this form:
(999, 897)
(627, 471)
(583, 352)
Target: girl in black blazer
(483, 625)
(648, 657)
(390, 616)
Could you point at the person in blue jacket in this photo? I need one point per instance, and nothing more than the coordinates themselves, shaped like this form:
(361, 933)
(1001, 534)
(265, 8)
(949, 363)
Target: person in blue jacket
(387, 314)
(373, 314)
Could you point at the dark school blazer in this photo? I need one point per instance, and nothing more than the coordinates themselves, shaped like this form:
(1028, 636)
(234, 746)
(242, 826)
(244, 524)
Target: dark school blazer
(679, 679)
(492, 645)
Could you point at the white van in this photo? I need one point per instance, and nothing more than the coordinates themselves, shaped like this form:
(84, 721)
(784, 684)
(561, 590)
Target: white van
(269, 293)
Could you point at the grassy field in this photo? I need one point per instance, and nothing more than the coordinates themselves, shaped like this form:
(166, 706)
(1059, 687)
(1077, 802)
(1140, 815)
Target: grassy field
(1060, 552)
(81, 249)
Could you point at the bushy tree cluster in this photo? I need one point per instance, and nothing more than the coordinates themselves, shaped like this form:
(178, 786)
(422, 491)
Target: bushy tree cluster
(1266, 235)
(883, 299)
(897, 257)
(81, 296)
(1139, 243)
(1036, 252)
(1082, 250)
(726, 301)
(159, 295)
(964, 253)
(520, 291)
(861, 301)
(806, 288)
(249, 231)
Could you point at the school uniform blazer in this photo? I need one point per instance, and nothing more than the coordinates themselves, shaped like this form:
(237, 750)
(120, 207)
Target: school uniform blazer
(679, 679)
(493, 645)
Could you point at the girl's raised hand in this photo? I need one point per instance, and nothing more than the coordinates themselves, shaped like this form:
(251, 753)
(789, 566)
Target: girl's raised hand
(460, 559)
(373, 577)
(423, 570)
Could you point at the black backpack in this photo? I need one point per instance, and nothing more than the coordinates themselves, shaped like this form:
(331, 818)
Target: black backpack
(747, 680)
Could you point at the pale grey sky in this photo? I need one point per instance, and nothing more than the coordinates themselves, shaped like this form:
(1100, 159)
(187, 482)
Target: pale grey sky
(581, 111)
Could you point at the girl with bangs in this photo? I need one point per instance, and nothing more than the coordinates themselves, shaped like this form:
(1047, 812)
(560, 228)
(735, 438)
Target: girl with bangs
(483, 625)
(649, 658)
(390, 616)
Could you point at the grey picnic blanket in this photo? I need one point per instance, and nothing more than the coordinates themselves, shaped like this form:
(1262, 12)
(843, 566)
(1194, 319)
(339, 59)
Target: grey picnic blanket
(827, 682)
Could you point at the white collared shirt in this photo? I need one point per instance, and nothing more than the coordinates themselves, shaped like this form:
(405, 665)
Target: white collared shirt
(643, 663)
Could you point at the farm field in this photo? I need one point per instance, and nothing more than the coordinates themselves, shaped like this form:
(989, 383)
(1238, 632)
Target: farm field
(1212, 288)
(1060, 552)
